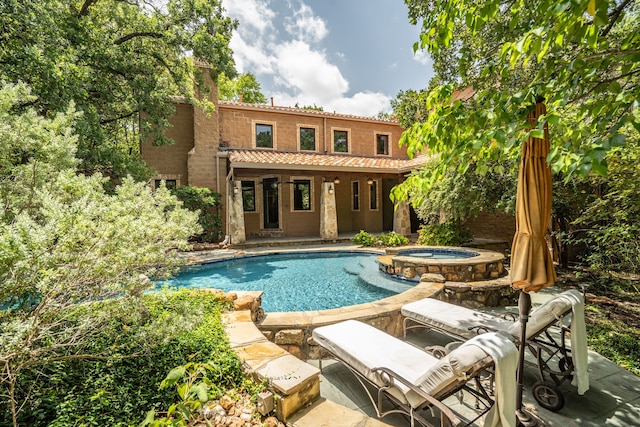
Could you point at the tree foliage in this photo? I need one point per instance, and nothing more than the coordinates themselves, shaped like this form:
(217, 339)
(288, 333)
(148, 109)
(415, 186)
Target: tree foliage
(205, 202)
(119, 62)
(457, 197)
(610, 223)
(65, 243)
(410, 107)
(581, 57)
(244, 87)
(137, 348)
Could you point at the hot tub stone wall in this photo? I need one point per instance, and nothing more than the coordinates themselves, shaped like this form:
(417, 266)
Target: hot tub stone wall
(486, 265)
(474, 295)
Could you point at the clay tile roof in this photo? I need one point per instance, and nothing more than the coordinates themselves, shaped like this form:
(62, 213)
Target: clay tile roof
(303, 111)
(268, 159)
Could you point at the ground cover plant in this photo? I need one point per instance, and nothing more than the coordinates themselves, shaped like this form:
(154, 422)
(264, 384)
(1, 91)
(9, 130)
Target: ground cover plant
(137, 349)
(612, 313)
(392, 238)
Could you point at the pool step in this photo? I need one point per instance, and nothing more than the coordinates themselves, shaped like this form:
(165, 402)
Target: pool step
(295, 382)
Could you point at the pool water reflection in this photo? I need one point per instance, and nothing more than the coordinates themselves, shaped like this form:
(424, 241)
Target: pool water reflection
(297, 281)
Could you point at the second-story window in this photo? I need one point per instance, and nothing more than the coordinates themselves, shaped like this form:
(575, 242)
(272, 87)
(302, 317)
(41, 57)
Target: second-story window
(340, 141)
(308, 139)
(264, 136)
(382, 144)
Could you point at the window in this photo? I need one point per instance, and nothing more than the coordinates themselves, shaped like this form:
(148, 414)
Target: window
(382, 144)
(308, 139)
(301, 195)
(169, 183)
(355, 195)
(264, 136)
(373, 196)
(340, 141)
(249, 196)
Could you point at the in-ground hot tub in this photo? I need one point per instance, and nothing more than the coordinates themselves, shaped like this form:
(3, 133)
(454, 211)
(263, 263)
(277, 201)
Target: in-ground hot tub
(455, 264)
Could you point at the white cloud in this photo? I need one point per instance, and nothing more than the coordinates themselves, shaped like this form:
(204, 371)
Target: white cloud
(305, 26)
(288, 59)
(252, 58)
(309, 72)
(362, 104)
(422, 57)
(250, 13)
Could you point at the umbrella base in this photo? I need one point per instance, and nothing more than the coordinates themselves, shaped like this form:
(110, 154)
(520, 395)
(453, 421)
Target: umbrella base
(525, 419)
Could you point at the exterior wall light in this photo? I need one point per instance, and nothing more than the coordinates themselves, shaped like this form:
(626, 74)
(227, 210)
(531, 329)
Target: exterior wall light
(336, 180)
(330, 189)
(370, 181)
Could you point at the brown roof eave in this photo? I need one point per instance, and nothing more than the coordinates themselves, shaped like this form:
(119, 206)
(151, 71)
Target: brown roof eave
(318, 168)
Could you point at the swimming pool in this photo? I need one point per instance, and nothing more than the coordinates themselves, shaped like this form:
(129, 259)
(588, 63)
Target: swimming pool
(296, 281)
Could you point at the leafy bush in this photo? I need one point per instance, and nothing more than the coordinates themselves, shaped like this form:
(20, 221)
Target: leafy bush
(195, 384)
(170, 329)
(385, 239)
(205, 202)
(364, 239)
(393, 239)
(446, 234)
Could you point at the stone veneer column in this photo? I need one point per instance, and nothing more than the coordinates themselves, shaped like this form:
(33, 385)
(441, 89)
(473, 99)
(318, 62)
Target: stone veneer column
(328, 212)
(402, 219)
(236, 214)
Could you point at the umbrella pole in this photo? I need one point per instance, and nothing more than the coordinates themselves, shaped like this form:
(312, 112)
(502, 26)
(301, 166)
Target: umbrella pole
(524, 308)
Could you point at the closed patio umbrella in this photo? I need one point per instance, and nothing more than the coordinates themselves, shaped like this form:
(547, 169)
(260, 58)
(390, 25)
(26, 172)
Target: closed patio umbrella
(531, 263)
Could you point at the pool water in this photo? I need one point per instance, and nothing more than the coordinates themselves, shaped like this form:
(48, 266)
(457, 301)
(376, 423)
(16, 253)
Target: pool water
(296, 282)
(439, 254)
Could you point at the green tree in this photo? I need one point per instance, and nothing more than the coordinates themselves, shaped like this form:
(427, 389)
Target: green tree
(580, 57)
(313, 107)
(244, 86)
(119, 62)
(410, 107)
(65, 243)
(609, 226)
(205, 202)
(457, 197)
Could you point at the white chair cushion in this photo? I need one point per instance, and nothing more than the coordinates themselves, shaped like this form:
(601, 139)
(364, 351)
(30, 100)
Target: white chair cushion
(452, 318)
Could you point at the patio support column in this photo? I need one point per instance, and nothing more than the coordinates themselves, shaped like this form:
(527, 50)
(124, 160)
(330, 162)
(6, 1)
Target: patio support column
(236, 214)
(401, 219)
(328, 212)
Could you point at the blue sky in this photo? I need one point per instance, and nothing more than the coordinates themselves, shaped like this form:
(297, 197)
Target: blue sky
(347, 56)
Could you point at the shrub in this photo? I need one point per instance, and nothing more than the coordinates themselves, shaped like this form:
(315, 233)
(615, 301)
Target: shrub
(205, 202)
(393, 239)
(385, 239)
(446, 234)
(364, 239)
(177, 328)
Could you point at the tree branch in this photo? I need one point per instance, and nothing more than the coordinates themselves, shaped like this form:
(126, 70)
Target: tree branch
(115, 119)
(610, 52)
(138, 34)
(84, 10)
(603, 82)
(614, 16)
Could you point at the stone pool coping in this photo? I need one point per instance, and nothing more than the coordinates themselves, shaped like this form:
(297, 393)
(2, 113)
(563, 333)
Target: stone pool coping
(292, 330)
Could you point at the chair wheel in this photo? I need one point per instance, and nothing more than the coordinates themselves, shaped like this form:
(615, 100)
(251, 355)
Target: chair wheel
(548, 396)
(566, 367)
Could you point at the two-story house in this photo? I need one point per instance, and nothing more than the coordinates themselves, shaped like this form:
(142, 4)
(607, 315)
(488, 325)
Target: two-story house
(288, 171)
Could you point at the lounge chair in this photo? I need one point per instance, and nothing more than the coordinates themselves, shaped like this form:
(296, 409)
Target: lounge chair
(414, 380)
(463, 323)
